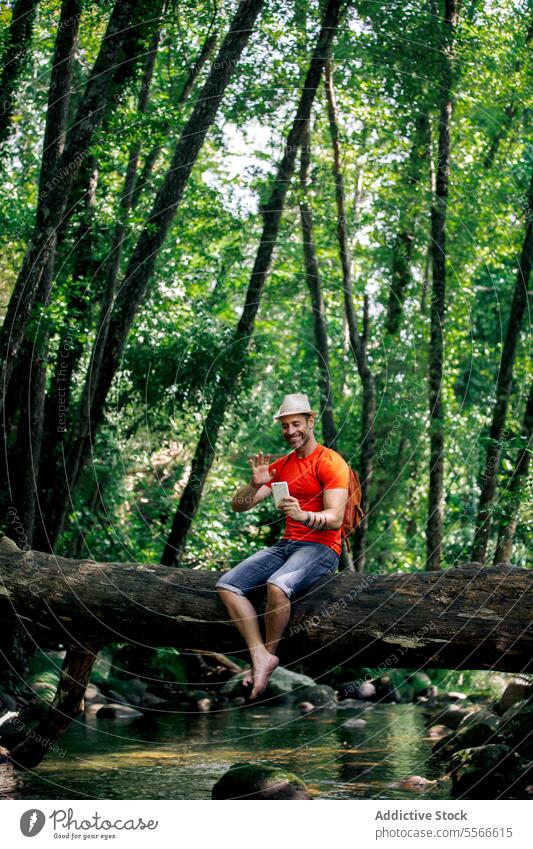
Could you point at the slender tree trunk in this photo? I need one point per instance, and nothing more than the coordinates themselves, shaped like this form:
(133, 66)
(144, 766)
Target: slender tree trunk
(358, 343)
(403, 247)
(314, 284)
(23, 460)
(489, 475)
(518, 483)
(438, 300)
(510, 113)
(17, 48)
(139, 271)
(235, 361)
(55, 184)
(143, 178)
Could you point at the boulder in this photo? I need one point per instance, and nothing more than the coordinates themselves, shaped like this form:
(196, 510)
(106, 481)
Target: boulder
(516, 728)
(353, 704)
(436, 732)
(412, 782)
(450, 697)
(319, 695)
(451, 715)
(466, 737)
(259, 781)
(7, 702)
(484, 716)
(354, 722)
(360, 690)
(386, 691)
(283, 686)
(93, 694)
(516, 691)
(118, 711)
(151, 700)
(421, 685)
(483, 772)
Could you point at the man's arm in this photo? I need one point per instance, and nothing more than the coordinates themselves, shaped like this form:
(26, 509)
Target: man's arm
(248, 496)
(329, 518)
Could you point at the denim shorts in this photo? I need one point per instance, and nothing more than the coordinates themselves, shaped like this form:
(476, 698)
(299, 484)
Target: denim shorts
(292, 565)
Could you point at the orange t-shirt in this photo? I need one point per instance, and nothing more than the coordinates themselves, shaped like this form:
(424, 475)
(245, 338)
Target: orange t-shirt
(307, 479)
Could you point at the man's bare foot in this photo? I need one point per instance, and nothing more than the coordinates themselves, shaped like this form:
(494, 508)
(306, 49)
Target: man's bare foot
(262, 670)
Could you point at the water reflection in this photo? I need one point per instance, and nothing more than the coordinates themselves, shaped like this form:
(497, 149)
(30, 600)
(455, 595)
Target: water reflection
(181, 756)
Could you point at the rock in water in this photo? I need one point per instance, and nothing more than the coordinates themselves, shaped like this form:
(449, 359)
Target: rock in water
(360, 690)
(483, 772)
(118, 711)
(259, 781)
(283, 686)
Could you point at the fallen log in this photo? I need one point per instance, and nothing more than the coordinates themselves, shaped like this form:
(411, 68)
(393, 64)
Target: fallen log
(470, 617)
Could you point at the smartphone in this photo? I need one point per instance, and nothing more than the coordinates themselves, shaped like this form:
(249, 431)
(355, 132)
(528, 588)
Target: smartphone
(280, 489)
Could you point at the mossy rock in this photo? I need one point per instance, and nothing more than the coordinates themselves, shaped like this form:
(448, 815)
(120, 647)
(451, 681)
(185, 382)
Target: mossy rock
(283, 686)
(465, 737)
(516, 727)
(319, 695)
(483, 772)
(259, 781)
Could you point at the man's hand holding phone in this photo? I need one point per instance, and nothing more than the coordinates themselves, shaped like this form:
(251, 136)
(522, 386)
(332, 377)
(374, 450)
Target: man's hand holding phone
(291, 508)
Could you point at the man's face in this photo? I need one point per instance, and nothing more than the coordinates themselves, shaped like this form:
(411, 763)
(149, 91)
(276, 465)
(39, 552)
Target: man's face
(297, 429)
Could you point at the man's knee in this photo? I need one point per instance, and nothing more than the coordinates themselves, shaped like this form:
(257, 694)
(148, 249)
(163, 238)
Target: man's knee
(276, 595)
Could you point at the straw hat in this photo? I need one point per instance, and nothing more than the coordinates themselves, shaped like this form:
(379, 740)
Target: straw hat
(293, 404)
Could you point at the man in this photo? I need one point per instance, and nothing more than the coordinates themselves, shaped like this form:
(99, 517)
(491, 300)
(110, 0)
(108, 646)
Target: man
(317, 478)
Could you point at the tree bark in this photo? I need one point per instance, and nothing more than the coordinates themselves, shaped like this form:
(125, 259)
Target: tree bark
(13, 59)
(438, 301)
(55, 184)
(358, 343)
(403, 246)
(489, 475)
(469, 617)
(235, 361)
(140, 268)
(67, 704)
(31, 365)
(314, 284)
(149, 163)
(514, 492)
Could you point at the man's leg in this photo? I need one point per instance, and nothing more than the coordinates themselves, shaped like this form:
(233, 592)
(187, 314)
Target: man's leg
(277, 615)
(244, 616)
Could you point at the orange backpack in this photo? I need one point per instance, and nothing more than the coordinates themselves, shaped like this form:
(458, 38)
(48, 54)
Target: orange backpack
(353, 512)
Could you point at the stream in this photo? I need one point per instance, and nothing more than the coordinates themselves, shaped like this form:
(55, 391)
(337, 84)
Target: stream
(168, 755)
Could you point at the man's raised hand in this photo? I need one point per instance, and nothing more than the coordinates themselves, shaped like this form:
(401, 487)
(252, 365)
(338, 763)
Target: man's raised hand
(260, 473)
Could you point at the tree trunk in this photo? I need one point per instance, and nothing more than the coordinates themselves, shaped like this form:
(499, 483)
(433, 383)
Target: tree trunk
(403, 247)
(314, 284)
(55, 184)
(235, 361)
(67, 704)
(358, 344)
(140, 268)
(509, 523)
(13, 59)
(510, 112)
(469, 617)
(20, 462)
(489, 475)
(149, 163)
(438, 300)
